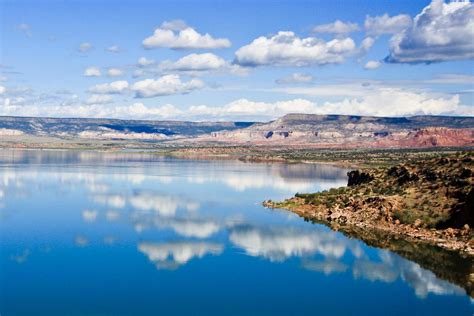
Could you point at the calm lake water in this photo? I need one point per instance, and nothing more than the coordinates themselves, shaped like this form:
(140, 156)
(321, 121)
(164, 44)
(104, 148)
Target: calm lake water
(85, 233)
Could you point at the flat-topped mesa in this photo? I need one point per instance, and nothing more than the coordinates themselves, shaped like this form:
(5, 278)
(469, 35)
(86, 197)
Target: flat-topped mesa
(350, 131)
(411, 121)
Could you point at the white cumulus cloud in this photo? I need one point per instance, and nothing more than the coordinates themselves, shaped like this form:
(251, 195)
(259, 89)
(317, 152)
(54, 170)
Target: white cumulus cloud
(366, 44)
(99, 99)
(398, 102)
(295, 78)
(114, 72)
(114, 49)
(174, 25)
(378, 101)
(197, 62)
(244, 109)
(143, 62)
(165, 85)
(92, 72)
(372, 64)
(337, 27)
(287, 49)
(115, 87)
(352, 100)
(385, 24)
(172, 35)
(441, 32)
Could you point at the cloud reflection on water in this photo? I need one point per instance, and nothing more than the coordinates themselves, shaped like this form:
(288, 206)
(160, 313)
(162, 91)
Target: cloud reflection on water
(198, 228)
(280, 243)
(89, 215)
(327, 267)
(163, 204)
(21, 257)
(172, 255)
(139, 195)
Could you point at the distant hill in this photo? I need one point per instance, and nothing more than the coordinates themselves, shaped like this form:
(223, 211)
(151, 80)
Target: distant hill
(85, 128)
(324, 131)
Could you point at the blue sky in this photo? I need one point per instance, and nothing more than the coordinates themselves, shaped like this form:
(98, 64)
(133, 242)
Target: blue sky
(235, 60)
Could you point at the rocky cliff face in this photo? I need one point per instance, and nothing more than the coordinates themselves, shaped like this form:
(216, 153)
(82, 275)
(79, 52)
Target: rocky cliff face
(353, 131)
(431, 137)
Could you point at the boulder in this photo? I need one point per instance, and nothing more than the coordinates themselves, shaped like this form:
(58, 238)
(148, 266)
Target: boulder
(356, 177)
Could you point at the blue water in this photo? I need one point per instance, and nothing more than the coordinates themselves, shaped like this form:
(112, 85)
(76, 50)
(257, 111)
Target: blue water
(85, 233)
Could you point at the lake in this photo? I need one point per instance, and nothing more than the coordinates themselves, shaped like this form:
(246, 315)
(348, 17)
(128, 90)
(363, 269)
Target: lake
(87, 233)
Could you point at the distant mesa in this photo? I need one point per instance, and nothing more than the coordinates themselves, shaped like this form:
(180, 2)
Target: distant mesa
(348, 131)
(316, 131)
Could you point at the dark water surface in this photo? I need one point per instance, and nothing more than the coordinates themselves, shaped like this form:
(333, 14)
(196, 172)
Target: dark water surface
(85, 233)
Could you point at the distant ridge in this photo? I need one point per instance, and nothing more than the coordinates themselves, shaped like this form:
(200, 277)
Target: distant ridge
(115, 128)
(324, 131)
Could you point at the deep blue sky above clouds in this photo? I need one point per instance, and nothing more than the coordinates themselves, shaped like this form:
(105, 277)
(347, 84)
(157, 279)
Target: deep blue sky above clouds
(237, 60)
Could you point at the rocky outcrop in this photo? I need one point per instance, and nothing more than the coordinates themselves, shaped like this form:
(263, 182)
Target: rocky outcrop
(356, 177)
(424, 199)
(462, 212)
(402, 175)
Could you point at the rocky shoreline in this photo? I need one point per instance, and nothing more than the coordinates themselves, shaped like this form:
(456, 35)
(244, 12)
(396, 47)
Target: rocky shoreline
(422, 203)
(459, 240)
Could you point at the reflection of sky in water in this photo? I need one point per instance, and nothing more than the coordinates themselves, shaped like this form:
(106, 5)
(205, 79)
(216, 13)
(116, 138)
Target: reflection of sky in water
(121, 234)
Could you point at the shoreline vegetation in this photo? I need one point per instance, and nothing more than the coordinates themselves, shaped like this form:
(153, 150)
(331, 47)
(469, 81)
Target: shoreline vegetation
(349, 158)
(342, 157)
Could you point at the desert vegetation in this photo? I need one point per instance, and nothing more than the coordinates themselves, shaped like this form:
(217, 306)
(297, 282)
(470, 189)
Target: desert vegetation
(428, 199)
